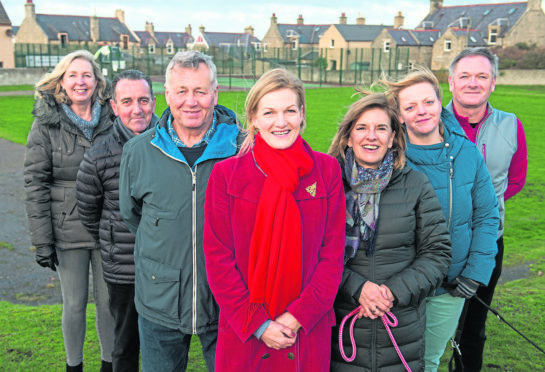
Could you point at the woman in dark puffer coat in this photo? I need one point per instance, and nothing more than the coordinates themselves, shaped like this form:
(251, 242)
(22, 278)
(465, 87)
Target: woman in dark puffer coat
(397, 242)
(71, 113)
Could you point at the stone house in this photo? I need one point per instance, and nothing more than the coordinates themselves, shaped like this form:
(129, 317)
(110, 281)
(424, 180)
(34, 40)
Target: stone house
(163, 43)
(418, 43)
(222, 41)
(499, 25)
(342, 42)
(67, 30)
(283, 37)
(6, 40)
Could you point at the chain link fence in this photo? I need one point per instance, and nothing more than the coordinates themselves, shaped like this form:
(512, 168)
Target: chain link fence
(321, 66)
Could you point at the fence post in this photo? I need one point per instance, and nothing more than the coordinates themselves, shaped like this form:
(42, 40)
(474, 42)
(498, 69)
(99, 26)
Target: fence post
(230, 66)
(299, 62)
(341, 68)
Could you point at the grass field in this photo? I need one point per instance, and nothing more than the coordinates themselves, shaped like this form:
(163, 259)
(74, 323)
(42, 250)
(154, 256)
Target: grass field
(31, 339)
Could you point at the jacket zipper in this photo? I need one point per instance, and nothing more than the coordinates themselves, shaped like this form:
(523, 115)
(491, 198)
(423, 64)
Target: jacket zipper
(112, 244)
(451, 171)
(194, 243)
(194, 235)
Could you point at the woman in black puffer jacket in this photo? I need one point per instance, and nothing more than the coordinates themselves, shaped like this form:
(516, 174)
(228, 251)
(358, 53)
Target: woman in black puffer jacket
(397, 243)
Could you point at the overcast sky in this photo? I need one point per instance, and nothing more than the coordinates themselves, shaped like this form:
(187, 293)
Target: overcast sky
(234, 15)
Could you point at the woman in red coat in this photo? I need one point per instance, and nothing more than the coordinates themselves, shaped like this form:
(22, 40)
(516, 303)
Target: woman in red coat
(274, 239)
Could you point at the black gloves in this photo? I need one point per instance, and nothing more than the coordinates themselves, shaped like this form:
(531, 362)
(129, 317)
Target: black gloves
(463, 287)
(46, 256)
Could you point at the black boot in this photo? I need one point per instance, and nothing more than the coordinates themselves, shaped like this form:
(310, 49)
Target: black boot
(106, 367)
(78, 368)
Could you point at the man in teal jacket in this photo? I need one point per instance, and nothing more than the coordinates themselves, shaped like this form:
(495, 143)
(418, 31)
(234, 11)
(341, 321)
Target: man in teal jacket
(164, 174)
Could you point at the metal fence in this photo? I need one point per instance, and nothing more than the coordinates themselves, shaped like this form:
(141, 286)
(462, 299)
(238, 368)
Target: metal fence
(315, 65)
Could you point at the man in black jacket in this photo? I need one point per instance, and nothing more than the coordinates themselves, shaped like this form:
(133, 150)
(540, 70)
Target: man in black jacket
(98, 207)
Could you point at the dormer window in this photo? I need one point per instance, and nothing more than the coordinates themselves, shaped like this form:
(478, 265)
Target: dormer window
(151, 48)
(332, 43)
(170, 48)
(386, 46)
(63, 38)
(125, 41)
(492, 35)
(448, 45)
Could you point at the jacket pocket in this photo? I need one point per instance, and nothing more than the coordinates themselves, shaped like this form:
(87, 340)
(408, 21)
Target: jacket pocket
(158, 287)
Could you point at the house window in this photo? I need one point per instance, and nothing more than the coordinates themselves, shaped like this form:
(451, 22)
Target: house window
(493, 35)
(264, 47)
(386, 46)
(151, 49)
(332, 43)
(294, 44)
(64, 39)
(125, 41)
(170, 48)
(448, 45)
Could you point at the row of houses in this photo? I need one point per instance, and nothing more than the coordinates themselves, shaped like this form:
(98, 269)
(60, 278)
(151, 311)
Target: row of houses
(441, 34)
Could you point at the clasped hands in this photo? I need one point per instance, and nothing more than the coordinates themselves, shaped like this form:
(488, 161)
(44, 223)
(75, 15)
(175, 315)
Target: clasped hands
(375, 300)
(281, 332)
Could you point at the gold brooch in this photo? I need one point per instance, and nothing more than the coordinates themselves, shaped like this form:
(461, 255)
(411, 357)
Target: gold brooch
(312, 189)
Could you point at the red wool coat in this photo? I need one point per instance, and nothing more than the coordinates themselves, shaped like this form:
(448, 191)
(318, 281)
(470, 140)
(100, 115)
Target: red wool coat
(230, 209)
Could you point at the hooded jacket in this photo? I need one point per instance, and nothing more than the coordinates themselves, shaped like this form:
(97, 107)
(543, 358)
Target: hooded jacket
(459, 176)
(55, 149)
(411, 257)
(97, 189)
(161, 199)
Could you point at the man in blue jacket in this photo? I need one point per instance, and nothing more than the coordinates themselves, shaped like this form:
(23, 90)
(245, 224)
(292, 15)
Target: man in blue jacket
(164, 174)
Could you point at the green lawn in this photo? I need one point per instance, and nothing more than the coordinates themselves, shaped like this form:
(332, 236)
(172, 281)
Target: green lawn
(30, 337)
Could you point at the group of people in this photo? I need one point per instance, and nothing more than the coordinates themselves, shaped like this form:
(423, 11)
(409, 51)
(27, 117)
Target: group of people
(256, 243)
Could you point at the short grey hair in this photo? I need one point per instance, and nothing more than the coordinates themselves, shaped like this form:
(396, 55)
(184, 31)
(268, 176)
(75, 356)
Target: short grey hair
(478, 51)
(192, 59)
(131, 75)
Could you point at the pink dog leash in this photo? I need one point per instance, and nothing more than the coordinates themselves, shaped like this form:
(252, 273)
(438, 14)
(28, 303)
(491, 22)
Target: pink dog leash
(388, 319)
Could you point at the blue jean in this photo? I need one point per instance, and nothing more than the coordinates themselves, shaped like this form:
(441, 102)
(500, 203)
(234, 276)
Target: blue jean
(73, 272)
(165, 349)
(442, 314)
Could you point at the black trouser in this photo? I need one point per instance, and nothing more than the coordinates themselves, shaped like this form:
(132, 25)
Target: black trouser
(125, 354)
(473, 334)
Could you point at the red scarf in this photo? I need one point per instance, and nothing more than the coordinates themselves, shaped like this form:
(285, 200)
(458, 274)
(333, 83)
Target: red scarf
(275, 262)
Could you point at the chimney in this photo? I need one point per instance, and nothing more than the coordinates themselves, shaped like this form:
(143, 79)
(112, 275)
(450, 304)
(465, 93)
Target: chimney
(399, 20)
(274, 19)
(249, 30)
(435, 5)
(150, 29)
(93, 24)
(201, 29)
(188, 29)
(342, 19)
(534, 5)
(30, 11)
(300, 20)
(360, 20)
(120, 14)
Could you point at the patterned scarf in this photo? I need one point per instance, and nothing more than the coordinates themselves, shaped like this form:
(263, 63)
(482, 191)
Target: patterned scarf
(275, 263)
(87, 127)
(362, 201)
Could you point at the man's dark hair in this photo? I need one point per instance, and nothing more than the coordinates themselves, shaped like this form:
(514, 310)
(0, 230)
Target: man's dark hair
(131, 75)
(478, 51)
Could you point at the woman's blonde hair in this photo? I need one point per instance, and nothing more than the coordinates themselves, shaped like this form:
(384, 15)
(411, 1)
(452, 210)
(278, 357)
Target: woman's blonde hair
(51, 82)
(369, 101)
(271, 81)
(420, 74)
